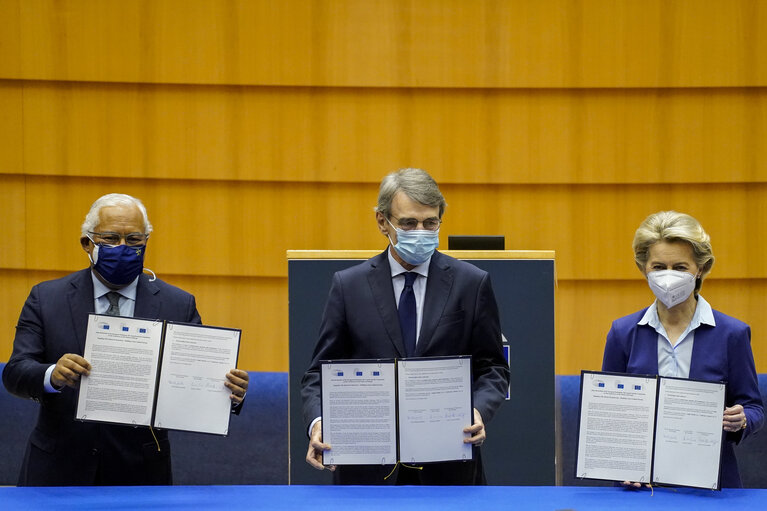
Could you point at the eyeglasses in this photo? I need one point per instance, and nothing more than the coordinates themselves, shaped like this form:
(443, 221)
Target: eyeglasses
(132, 239)
(410, 224)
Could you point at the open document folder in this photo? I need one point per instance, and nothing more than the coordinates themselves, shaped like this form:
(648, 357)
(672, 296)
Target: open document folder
(378, 412)
(650, 429)
(158, 373)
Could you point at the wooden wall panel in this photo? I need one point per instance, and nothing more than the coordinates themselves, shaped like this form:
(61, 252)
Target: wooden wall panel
(355, 135)
(222, 228)
(586, 309)
(744, 299)
(243, 229)
(13, 210)
(11, 132)
(392, 43)
(10, 39)
(591, 228)
(258, 306)
(16, 285)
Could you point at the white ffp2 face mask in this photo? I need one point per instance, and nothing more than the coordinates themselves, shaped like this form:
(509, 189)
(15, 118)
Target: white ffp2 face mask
(671, 287)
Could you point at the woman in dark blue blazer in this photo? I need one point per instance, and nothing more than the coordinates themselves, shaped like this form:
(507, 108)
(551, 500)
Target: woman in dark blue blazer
(680, 334)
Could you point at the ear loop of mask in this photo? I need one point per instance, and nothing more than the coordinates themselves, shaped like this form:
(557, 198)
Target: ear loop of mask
(387, 234)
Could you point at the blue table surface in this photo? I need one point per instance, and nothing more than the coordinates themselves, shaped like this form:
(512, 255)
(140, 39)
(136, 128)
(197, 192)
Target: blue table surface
(372, 498)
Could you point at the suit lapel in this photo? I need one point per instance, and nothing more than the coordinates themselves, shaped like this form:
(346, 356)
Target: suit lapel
(647, 338)
(379, 279)
(147, 303)
(700, 350)
(80, 298)
(438, 286)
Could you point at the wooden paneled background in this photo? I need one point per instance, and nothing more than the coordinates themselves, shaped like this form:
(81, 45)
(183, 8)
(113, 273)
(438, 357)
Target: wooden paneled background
(254, 127)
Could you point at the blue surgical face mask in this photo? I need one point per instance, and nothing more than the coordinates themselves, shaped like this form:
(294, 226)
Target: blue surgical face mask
(118, 264)
(415, 247)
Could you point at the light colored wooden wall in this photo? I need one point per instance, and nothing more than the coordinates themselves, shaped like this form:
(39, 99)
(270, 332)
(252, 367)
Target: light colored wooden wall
(254, 127)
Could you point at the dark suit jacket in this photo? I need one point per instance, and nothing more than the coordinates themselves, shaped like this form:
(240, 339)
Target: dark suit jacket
(62, 451)
(719, 353)
(460, 317)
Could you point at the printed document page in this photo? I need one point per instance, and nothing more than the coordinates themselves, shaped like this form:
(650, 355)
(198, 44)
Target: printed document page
(617, 416)
(123, 354)
(434, 407)
(688, 438)
(358, 413)
(191, 393)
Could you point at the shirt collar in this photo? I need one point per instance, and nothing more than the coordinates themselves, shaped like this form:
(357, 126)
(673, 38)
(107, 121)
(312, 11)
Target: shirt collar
(398, 269)
(99, 289)
(703, 315)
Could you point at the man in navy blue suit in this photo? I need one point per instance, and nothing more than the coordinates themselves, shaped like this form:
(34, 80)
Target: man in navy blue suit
(455, 314)
(46, 364)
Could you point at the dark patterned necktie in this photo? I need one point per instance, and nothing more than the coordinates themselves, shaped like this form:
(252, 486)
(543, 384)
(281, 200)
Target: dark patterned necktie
(407, 314)
(114, 303)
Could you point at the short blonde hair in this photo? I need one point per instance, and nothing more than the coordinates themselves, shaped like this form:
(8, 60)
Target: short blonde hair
(671, 226)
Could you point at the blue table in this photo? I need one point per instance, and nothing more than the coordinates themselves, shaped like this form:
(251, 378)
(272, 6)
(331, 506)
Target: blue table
(401, 498)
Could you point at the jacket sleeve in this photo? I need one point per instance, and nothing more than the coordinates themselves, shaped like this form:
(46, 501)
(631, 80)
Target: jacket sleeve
(23, 374)
(331, 344)
(615, 357)
(491, 370)
(743, 384)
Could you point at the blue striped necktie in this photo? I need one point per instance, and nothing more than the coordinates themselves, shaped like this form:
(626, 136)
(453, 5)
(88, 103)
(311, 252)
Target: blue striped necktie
(407, 314)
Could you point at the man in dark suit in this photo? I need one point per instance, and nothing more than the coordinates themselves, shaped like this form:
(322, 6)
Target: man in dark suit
(456, 314)
(47, 363)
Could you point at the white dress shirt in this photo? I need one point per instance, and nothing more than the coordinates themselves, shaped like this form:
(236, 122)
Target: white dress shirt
(675, 360)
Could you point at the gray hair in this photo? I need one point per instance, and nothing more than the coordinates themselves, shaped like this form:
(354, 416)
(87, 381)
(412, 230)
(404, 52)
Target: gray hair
(671, 226)
(112, 199)
(416, 184)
